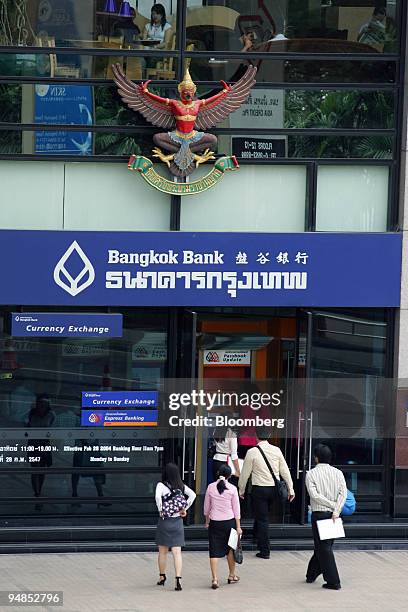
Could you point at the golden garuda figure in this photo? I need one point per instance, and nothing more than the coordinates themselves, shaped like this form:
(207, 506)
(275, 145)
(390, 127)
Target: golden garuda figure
(186, 143)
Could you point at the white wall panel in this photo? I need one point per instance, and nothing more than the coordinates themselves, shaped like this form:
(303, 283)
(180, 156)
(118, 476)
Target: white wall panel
(31, 195)
(100, 196)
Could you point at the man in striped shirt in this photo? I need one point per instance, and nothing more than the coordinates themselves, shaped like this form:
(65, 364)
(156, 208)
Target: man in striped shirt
(328, 491)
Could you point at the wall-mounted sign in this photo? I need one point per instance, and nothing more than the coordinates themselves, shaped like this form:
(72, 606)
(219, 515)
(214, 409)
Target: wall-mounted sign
(66, 325)
(152, 347)
(19, 346)
(227, 358)
(119, 399)
(200, 269)
(63, 104)
(259, 147)
(119, 418)
(264, 108)
(84, 348)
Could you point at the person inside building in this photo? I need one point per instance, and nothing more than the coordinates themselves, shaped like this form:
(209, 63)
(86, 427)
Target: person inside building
(259, 462)
(222, 513)
(226, 450)
(328, 491)
(158, 28)
(373, 32)
(40, 416)
(250, 43)
(173, 499)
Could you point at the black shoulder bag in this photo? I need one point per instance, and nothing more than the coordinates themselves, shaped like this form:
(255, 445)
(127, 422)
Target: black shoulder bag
(281, 486)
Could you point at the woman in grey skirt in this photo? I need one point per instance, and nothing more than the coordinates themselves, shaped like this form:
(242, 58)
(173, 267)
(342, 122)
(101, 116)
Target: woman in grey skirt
(173, 498)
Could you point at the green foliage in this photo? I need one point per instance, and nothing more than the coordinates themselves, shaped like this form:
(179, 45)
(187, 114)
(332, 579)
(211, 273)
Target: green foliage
(339, 110)
(110, 111)
(10, 112)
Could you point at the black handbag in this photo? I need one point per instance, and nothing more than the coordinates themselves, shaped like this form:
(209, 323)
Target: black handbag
(281, 486)
(238, 554)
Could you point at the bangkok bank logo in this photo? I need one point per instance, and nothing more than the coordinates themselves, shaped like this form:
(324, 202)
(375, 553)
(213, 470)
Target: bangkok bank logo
(94, 418)
(212, 357)
(65, 280)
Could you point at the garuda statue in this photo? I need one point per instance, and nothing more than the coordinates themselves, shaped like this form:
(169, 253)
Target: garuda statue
(185, 142)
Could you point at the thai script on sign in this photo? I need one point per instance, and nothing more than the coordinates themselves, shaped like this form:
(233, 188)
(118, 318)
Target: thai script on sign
(232, 282)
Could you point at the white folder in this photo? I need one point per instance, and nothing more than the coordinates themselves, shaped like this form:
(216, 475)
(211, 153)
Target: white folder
(233, 539)
(330, 530)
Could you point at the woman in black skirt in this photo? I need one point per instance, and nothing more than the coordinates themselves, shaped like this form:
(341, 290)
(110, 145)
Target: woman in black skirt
(222, 513)
(173, 498)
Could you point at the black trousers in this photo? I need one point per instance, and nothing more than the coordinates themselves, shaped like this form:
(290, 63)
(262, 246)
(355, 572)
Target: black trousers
(322, 561)
(262, 499)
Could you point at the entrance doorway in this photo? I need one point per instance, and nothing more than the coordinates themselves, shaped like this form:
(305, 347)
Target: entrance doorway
(331, 369)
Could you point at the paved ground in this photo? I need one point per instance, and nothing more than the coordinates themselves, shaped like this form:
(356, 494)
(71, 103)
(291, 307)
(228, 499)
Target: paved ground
(125, 582)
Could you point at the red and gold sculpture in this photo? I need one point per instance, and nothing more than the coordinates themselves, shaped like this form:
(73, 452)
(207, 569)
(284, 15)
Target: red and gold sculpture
(186, 144)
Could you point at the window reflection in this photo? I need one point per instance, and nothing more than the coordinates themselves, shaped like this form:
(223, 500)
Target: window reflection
(62, 368)
(89, 23)
(292, 26)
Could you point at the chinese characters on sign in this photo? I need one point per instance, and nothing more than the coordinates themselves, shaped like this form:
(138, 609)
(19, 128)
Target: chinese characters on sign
(205, 269)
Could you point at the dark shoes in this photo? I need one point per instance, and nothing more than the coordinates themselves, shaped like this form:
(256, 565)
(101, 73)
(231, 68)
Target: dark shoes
(332, 587)
(310, 580)
(261, 556)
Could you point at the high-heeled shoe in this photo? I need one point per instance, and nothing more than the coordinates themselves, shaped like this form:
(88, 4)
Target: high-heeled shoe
(215, 585)
(162, 580)
(178, 585)
(233, 579)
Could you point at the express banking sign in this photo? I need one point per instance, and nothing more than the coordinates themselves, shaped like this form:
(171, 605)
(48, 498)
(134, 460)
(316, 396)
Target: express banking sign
(199, 269)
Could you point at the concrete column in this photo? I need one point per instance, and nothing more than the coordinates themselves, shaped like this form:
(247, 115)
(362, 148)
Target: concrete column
(401, 344)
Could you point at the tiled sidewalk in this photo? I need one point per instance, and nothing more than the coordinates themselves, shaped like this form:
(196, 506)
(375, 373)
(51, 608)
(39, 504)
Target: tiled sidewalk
(125, 582)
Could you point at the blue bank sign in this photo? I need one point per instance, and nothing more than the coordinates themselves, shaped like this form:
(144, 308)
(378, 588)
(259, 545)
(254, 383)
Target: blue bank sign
(119, 408)
(119, 418)
(119, 399)
(199, 269)
(66, 325)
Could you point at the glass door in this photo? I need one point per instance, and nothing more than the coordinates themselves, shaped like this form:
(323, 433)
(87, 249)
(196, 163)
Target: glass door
(186, 371)
(345, 400)
(298, 424)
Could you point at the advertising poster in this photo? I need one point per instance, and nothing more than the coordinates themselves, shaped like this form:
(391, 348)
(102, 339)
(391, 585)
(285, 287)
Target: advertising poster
(63, 104)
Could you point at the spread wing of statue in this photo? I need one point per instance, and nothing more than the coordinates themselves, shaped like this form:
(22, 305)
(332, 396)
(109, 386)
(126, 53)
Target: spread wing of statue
(186, 142)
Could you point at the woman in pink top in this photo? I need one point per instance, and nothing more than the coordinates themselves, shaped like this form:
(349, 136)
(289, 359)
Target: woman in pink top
(222, 513)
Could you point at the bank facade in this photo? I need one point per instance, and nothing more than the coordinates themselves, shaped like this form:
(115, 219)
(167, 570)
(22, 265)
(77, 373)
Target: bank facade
(284, 276)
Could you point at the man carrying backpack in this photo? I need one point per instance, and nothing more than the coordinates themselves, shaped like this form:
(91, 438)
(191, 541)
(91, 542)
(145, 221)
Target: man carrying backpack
(328, 491)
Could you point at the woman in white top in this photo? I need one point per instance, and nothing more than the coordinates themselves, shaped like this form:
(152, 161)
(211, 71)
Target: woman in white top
(158, 28)
(170, 529)
(226, 446)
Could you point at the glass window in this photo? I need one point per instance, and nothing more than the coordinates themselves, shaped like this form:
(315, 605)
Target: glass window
(130, 24)
(293, 26)
(246, 146)
(274, 108)
(369, 483)
(76, 66)
(64, 367)
(266, 107)
(75, 144)
(251, 200)
(294, 71)
(352, 198)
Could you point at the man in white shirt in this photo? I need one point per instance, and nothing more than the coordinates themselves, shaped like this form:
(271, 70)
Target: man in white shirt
(263, 484)
(328, 491)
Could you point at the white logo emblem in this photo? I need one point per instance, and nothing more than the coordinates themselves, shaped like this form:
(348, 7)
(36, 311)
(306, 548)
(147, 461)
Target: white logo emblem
(64, 279)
